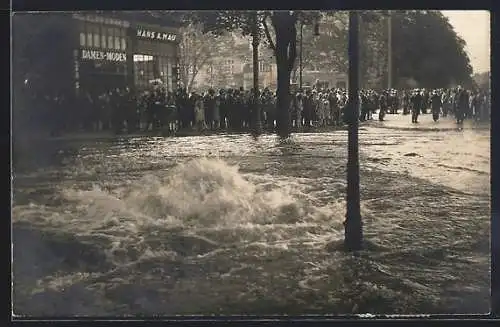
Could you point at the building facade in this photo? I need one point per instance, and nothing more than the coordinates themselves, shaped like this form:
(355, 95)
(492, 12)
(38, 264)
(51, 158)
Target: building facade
(112, 52)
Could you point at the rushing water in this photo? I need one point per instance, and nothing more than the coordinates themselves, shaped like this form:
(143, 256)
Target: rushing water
(229, 224)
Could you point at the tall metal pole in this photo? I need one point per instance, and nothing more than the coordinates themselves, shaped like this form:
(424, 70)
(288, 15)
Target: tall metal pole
(257, 128)
(300, 58)
(353, 225)
(389, 50)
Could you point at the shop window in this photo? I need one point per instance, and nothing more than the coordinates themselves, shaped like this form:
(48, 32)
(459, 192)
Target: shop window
(110, 42)
(169, 74)
(89, 39)
(103, 41)
(94, 29)
(124, 45)
(82, 39)
(97, 41)
(116, 35)
(110, 38)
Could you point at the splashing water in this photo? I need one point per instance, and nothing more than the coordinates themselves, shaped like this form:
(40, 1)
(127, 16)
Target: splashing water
(204, 236)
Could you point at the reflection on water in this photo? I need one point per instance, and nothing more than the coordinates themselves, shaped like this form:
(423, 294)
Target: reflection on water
(233, 225)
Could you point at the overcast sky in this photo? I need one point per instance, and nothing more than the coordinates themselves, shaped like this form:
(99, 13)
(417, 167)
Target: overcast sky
(474, 27)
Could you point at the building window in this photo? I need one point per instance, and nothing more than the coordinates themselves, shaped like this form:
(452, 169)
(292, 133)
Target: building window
(261, 67)
(116, 39)
(103, 38)
(97, 39)
(169, 74)
(117, 43)
(144, 70)
(82, 39)
(110, 38)
(89, 38)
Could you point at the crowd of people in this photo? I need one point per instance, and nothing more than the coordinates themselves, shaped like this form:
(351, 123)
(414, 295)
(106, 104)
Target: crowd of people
(123, 110)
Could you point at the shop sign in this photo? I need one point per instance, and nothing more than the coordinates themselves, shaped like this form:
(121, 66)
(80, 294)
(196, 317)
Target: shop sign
(152, 35)
(100, 55)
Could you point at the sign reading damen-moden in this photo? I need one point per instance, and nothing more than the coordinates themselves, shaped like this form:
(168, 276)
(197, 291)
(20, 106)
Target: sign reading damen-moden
(100, 55)
(156, 35)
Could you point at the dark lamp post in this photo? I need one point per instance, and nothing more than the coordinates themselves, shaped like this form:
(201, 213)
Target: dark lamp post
(300, 58)
(353, 224)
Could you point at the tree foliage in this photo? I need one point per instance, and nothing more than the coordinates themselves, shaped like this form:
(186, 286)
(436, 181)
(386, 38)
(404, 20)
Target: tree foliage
(328, 50)
(282, 39)
(198, 50)
(425, 48)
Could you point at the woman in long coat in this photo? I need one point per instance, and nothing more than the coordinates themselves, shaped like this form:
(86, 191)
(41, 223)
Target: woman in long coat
(199, 112)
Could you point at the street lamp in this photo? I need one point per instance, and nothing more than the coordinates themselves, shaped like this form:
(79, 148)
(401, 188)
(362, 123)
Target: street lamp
(316, 33)
(389, 49)
(300, 58)
(257, 122)
(353, 224)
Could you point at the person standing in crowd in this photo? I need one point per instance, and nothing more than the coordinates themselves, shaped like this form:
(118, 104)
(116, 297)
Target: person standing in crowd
(238, 110)
(269, 110)
(150, 110)
(199, 111)
(335, 108)
(389, 101)
(170, 113)
(417, 100)
(308, 104)
(477, 104)
(383, 106)
(406, 103)
(462, 106)
(222, 109)
(230, 109)
(445, 99)
(365, 107)
(436, 105)
(247, 118)
(129, 109)
(425, 101)
(116, 111)
(209, 108)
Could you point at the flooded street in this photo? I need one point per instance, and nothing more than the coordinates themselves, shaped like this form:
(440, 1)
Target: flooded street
(227, 224)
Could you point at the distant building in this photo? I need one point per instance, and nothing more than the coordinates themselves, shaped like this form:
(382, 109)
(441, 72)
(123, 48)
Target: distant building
(329, 79)
(98, 52)
(220, 73)
(267, 75)
(121, 52)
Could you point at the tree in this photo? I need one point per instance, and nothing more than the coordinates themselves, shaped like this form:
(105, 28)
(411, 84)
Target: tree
(425, 49)
(284, 44)
(197, 50)
(328, 50)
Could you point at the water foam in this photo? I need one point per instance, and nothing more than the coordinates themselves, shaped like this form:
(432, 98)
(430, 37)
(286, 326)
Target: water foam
(202, 197)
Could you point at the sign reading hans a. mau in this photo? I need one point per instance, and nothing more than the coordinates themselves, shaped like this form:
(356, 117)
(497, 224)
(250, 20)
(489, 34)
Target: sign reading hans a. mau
(152, 35)
(100, 55)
